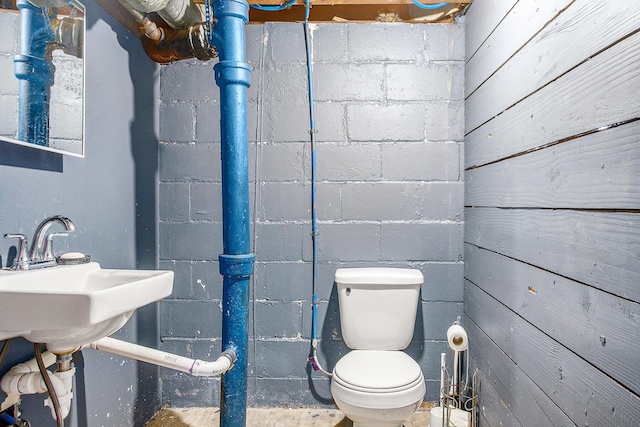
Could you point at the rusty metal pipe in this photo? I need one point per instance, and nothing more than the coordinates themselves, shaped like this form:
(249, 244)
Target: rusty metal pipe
(162, 45)
(181, 44)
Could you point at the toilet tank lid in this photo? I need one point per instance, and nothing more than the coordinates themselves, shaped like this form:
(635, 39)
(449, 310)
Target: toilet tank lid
(379, 276)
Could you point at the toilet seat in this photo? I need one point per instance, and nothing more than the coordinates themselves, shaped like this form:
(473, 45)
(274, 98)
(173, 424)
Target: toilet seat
(378, 379)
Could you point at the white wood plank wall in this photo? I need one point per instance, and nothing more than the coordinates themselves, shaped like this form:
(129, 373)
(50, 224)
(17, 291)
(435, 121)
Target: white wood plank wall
(552, 216)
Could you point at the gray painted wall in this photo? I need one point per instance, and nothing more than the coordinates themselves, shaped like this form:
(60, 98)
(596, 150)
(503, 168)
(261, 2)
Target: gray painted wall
(552, 197)
(111, 197)
(389, 104)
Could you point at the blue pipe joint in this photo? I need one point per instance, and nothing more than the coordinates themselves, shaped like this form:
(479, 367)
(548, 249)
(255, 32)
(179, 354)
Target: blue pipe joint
(237, 266)
(231, 8)
(232, 72)
(33, 69)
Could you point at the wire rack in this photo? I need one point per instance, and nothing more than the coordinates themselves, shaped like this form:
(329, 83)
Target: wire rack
(460, 396)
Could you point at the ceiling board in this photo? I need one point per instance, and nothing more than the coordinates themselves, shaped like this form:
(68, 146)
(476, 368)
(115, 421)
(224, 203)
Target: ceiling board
(355, 10)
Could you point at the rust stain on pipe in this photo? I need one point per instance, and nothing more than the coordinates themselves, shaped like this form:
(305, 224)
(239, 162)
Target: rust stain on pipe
(162, 43)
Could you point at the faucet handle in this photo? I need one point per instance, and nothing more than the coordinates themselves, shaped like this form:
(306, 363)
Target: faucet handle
(23, 256)
(47, 252)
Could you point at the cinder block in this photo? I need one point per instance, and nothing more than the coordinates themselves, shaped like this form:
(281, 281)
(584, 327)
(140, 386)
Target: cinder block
(385, 42)
(285, 83)
(177, 122)
(206, 201)
(329, 42)
(421, 242)
(279, 242)
(445, 121)
(348, 162)
(181, 346)
(275, 319)
(271, 364)
(208, 122)
(286, 43)
(181, 278)
(445, 42)
(358, 82)
(331, 122)
(401, 201)
(253, 133)
(284, 122)
(190, 319)
(349, 242)
(281, 162)
(328, 201)
(329, 330)
(434, 318)
(285, 201)
(189, 162)
(206, 280)
(421, 162)
(189, 241)
(174, 201)
(9, 42)
(254, 89)
(282, 281)
(256, 37)
(9, 87)
(427, 82)
(276, 392)
(188, 81)
(443, 281)
(391, 122)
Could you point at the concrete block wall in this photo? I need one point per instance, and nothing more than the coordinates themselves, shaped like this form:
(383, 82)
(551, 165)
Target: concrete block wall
(9, 46)
(390, 120)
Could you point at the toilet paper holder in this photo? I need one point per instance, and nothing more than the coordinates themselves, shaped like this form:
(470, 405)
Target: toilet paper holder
(458, 399)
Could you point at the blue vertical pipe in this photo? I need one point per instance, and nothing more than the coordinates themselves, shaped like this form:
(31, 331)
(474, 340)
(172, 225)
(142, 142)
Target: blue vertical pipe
(34, 70)
(233, 76)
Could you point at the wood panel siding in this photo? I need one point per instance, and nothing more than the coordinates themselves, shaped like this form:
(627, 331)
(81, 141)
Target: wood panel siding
(585, 394)
(483, 19)
(511, 35)
(583, 173)
(552, 217)
(588, 321)
(599, 93)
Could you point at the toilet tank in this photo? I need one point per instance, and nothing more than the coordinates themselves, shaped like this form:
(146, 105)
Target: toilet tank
(378, 306)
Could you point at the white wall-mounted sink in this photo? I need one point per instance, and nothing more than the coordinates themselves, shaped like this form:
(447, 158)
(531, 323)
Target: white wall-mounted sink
(71, 305)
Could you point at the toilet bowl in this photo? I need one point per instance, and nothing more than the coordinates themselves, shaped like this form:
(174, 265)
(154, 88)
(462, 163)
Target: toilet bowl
(376, 384)
(377, 388)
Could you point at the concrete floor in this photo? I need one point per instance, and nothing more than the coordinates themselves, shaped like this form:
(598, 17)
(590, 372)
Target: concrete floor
(270, 417)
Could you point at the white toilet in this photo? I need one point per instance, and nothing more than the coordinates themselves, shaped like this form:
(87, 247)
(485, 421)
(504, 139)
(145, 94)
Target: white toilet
(377, 384)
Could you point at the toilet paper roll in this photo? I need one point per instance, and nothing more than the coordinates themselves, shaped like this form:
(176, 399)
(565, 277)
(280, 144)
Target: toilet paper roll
(457, 418)
(457, 338)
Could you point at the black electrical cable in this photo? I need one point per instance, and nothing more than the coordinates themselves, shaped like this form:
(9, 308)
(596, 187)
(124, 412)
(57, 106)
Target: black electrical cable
(4, 351)
(47, 381)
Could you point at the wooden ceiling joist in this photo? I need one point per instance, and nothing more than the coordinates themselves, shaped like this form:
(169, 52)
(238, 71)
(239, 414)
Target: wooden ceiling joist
(355, 10)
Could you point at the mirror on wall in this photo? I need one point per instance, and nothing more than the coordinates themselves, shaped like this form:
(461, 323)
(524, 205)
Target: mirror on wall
(42, 74)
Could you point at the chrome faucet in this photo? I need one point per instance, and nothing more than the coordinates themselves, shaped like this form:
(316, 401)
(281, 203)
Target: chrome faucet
(41, 253)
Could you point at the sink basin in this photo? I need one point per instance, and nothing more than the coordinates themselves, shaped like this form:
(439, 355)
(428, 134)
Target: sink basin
(71, 305)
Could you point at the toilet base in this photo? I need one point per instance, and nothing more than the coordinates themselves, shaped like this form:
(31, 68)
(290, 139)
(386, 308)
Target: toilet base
(376, 425)
(366, 417)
